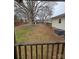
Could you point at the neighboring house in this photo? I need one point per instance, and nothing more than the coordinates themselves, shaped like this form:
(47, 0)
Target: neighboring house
(59, 21)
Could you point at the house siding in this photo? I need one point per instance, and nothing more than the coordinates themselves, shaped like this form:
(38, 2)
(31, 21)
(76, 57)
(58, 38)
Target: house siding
(56, 24)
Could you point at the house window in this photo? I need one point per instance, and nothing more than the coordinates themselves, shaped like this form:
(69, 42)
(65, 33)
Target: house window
(59, 20)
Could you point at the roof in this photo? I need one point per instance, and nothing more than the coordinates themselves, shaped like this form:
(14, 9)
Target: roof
(59, 16)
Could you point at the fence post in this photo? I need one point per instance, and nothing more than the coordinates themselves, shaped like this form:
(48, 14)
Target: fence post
(15, 52)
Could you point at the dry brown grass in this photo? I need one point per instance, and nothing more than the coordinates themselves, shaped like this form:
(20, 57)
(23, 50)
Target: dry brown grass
(36, 33)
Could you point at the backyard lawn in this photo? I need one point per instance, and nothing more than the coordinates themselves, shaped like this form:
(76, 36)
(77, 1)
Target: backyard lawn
(35, 33)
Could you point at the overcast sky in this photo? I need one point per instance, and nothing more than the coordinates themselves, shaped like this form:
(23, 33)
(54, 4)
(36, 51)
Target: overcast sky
(59, 8)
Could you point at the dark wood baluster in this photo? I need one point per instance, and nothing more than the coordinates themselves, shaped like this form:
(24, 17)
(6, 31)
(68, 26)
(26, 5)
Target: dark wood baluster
(19, 48)
(47, 50)
(31, 51)
(36, 52)
(15, 52)
(41, 51)
(52, 51)
(62, 52)
(25, 52)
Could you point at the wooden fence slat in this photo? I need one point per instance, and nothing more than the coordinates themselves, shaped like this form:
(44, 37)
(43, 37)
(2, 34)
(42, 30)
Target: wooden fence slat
(19, 48)
(41, 51)
(47, 50)
(52, 51)
(36, 52)
(57, 51)
(62, 52)
(25, 51)
(31, 51)
(15, 52)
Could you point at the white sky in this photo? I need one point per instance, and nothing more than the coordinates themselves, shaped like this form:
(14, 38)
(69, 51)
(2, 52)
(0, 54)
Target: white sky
(59, 9)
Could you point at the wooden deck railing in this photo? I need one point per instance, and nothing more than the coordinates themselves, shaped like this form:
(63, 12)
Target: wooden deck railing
(22, 51)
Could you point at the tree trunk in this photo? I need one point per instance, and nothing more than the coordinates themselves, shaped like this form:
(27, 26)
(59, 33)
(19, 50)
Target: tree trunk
(32, 18)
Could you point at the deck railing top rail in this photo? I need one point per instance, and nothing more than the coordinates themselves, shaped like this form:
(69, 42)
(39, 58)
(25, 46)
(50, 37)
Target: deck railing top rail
(37, 43)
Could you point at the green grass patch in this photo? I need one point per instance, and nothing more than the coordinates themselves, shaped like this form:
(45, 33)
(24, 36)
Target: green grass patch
(21, 34)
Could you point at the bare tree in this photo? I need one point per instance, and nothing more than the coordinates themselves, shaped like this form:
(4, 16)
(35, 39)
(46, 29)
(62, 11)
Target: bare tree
(45, 13)
(33, 9)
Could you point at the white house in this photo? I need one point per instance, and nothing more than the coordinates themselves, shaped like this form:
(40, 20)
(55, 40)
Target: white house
(59, 21)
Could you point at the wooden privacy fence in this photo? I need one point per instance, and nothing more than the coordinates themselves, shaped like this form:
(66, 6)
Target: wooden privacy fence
(39, 50)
